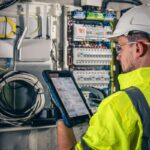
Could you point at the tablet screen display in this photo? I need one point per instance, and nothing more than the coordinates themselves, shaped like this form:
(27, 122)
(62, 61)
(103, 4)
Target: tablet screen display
(70, 96)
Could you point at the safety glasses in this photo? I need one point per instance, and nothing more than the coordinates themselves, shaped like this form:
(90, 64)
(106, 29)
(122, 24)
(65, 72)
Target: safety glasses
(119, 47)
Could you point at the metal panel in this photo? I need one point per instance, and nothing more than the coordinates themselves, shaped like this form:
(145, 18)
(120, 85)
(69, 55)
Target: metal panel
(39, 139)
(28, 138)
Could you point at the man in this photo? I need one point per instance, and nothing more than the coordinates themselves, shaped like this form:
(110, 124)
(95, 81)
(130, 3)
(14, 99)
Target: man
(116, 125)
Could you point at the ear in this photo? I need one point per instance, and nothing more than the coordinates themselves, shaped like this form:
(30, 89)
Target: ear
(140, 49)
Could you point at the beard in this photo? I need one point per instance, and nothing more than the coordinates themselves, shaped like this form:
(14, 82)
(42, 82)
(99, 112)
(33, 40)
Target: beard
(127, 68)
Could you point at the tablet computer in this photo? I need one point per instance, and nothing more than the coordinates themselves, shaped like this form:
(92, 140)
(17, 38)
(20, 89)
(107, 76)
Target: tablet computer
(66, 94)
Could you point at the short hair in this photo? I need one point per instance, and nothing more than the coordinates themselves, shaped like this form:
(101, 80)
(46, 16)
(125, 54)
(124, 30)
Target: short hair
(138, 35)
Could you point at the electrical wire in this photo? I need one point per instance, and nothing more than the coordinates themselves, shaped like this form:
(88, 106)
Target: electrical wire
(7, 4)
(97, 92)
(133, 2)
(97, 95)
(7, 117)
(12, 25)
(38, 27)
(11, 65)
(54, 54)
(3, 69)
(8, 35)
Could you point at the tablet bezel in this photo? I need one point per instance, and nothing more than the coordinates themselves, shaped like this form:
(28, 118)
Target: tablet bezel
(71, 121)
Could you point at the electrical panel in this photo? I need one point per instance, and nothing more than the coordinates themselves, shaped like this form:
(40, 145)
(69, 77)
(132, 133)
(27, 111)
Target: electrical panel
(28, 43)
(40, 21)
(91, 56)
(34, 16)
(87, 50)
(93, 78)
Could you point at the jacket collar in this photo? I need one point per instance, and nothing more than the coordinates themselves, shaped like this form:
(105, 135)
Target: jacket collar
(134, 78)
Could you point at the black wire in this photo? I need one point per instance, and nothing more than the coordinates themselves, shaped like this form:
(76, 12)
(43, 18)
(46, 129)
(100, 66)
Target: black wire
(7, 4)
(3, 103)
(5, 32)
(18, 35)
(124, 10)
(52, 54)
(7, 109)
(105, 3)
(5, 99)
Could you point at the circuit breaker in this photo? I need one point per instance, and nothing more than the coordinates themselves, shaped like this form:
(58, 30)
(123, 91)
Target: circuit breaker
(87, 50)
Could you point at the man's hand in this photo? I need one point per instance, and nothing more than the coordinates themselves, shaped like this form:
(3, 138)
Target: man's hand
(65, 136)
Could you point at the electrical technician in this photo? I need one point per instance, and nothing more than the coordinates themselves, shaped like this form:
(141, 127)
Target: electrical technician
(116, 125)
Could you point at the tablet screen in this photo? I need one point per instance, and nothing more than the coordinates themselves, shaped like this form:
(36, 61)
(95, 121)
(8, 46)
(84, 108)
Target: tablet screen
(70, 96)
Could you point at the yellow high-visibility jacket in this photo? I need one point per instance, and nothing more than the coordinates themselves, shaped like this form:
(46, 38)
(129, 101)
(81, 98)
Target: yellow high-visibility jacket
(116, 125)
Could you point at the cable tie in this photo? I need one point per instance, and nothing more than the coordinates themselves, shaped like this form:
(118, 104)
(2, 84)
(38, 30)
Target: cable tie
(35, 83)
(40, 92)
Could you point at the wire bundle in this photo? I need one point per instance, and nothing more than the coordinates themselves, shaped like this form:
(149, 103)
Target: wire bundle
(95, 96)
(15, 119)
(6, 4)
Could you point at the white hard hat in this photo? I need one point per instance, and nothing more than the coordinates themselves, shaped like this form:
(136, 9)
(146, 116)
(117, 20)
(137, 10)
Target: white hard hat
(136, 19)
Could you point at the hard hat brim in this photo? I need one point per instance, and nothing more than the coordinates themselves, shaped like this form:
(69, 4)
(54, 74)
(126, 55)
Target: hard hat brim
(114, 36)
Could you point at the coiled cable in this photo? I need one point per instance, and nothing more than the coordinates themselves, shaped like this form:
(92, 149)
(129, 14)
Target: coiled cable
(16, 119)
(12, 25)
